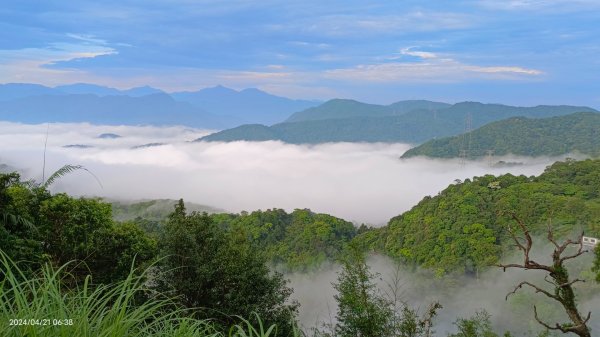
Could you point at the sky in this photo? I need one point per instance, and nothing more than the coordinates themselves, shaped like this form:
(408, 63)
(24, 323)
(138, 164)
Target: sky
(522, 52)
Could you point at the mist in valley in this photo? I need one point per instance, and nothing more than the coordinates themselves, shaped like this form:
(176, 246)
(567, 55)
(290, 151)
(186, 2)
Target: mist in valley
(461, 296)
(359, 182)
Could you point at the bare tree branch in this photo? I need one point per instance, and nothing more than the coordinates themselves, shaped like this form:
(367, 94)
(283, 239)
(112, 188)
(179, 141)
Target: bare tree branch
(537, 290)
(546, 325)
(563, 285)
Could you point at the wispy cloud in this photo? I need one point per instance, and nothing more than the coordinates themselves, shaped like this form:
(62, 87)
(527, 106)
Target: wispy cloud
(420, 54)
(429, 67)
(35, 64)
(568, 5)
(361, 25)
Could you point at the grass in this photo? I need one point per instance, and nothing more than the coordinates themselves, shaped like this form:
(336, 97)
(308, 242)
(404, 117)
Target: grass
(42, 302)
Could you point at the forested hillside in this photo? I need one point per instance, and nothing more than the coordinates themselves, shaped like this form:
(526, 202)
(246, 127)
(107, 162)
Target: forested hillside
(463, 228)
(300, 240)
(405, 122)
(575, 133)
(347, 108)
(460, 230)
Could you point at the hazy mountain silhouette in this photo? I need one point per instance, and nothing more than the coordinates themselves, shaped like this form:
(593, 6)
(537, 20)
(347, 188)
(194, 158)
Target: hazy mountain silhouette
(250, 105)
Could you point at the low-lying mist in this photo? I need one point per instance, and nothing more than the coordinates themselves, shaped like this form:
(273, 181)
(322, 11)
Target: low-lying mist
(460, 296)
(358, 182)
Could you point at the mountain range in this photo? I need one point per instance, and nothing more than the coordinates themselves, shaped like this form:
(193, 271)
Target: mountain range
(215, 108)
(155, 109)
(249, 105)
(578, 132)
(405, 121)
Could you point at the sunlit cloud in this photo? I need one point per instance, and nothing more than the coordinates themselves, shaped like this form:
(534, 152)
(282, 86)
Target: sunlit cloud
(36, 64)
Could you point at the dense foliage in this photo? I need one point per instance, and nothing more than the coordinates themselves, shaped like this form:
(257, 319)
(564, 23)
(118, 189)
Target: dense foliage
(464, 227)
(579, 132)
(351, 121)
(299, 240)
(38, 227)
(220, 274)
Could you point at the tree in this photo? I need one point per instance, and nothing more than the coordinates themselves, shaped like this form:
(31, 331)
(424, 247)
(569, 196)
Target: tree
(482, 249)
(411, 325)
(478, 325)
(18, 235)
(362, 310)
(560, 280)
(219, 274)
(596, 267)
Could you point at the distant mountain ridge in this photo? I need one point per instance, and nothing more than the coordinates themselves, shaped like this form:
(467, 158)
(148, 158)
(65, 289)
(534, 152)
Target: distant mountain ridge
(216, 107)
(250, 105)
(347, 108)
(156, 109)
(405, 121)
(578, 132)
(11, 91)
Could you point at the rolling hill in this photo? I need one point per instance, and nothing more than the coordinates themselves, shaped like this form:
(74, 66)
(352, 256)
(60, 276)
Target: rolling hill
(351, 121)
(578, 132)
(347, 108)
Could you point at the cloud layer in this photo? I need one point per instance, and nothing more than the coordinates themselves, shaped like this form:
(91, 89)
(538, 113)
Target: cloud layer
(358, 182)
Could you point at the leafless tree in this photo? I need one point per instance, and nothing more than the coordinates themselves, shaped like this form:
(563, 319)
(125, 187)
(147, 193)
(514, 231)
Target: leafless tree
(558, 278)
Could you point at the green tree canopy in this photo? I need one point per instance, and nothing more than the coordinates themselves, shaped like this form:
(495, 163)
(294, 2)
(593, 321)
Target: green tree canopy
(219, 274)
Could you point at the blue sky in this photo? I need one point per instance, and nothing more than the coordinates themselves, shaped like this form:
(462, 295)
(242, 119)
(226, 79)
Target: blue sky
(506, 51)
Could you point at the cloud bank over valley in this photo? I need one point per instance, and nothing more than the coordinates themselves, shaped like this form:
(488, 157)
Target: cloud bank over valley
(356, 181)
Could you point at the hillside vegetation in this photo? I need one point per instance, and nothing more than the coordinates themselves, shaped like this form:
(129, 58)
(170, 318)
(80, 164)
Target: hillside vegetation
(578, 132)
(347, 108)
(460, 230)
(463, 228)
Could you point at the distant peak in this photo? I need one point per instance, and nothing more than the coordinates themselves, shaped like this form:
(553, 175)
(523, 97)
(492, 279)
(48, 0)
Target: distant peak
(252, 90)
(222, 87)
(337, 100)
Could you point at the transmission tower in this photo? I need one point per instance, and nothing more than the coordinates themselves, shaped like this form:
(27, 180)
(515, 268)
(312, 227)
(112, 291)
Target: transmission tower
(465, 150)
(489, 155)
(463, 157)
(468, 130)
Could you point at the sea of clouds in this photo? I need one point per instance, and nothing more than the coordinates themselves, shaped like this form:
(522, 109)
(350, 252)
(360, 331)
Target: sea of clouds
(360, 182)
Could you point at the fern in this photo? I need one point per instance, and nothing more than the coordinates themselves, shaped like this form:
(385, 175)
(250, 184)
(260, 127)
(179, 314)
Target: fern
(66, 169)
